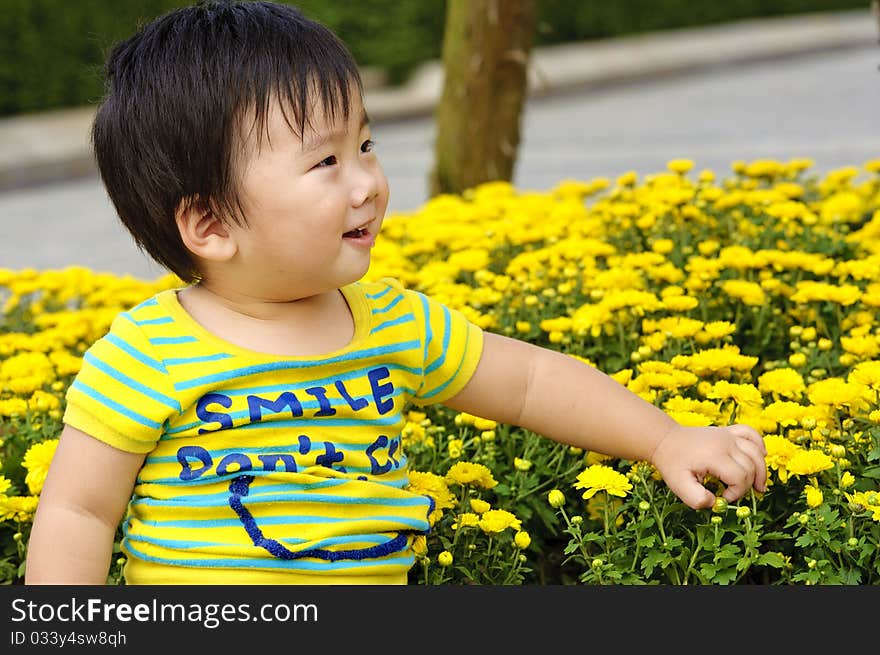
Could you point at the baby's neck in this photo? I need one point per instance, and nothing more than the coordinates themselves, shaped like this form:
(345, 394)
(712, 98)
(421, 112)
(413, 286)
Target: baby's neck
(306, 326)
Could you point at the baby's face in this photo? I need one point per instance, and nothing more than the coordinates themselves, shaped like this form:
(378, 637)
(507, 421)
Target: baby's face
(314, 205)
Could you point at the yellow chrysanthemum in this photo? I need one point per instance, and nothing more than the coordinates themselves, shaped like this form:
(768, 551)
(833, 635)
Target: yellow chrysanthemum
(480, 506)
(808, 462)
(36, 460)
(599, 477)
(18, 508)
(434, 486)
(814, 495)
(465, 473)
(868, 500)
(498, 520)
(782, 382)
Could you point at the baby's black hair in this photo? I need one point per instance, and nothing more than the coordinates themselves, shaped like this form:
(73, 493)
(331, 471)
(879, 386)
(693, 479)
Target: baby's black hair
(179, 94)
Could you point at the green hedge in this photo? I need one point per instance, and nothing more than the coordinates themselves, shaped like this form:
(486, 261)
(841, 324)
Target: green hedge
(51, 50)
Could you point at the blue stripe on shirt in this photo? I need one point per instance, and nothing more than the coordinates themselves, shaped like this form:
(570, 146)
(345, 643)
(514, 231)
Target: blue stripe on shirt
(119, 376)
(400, 320)
(389, 306)
(447, 334)
(440, 388)
(112, 404)
(293, 364)
(134, 352)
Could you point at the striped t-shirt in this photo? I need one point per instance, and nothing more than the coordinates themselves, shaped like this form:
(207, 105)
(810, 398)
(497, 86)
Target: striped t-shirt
(267, 469)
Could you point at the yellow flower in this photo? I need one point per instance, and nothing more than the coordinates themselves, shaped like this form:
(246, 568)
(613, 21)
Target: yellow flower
(838, 393)
(556, 498)
(749, 292)
(498, 520)
(663, 246)
(599, 477)
(433, 486)
(444, 558)
(680, 303)
(783, 382)
(484, 423)
(5, 485)
(466, 520)
(867, 500)
(465, 473)
(18, 508)
(847, 480)
(522, 540)
(808, 462)
(680, 166)
(741, 394)
(36, 460)
(454, 447)
(521, 464)
(814, 495)
(420, 544)
(480, 506)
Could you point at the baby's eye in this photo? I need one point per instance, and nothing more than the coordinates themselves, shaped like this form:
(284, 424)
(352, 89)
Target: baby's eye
(329, 161)
(368, 145)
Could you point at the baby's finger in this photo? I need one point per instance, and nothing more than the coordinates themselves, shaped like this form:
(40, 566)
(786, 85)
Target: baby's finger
(746, 432)
(689, 488)
(757, 458)
(744, 476)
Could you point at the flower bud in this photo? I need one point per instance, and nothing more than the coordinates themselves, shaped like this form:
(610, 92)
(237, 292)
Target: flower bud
(720, 505)
(596, 563)
(716, 520)
(444, 558)
(522, 540)
(743, 512)
(852, 542)
(577, 520)
(644, 505)
(556, 498)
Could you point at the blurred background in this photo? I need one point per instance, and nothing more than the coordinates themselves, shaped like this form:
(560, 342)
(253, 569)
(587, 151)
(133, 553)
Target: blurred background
(51, 51)
(613, 87)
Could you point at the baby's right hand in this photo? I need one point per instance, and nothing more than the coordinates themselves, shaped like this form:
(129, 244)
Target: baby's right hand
(734, 454)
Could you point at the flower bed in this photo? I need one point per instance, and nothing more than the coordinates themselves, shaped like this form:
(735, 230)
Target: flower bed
(748, 299)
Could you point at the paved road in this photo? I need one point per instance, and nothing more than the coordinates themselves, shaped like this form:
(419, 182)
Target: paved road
(823, 106)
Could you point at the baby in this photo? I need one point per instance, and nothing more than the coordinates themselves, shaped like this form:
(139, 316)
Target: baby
(246, 428)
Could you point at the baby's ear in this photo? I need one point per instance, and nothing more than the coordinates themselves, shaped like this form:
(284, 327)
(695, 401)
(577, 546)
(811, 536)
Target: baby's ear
(202, 232)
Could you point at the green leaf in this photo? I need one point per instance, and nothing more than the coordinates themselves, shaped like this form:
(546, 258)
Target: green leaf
(653, 559)
(647, 542)
(725, 577)
(708, 571)
(776, 560)
(851, 577)
(805, 540)
(873, 472)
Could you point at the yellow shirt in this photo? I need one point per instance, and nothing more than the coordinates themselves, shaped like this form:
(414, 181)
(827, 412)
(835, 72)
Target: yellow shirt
(263, 469)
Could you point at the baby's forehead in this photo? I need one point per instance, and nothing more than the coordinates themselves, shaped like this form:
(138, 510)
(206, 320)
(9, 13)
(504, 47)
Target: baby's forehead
(282, 119)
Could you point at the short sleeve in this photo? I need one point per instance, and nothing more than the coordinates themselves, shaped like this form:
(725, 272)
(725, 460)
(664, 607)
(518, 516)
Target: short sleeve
(122, 394)
(451, 349)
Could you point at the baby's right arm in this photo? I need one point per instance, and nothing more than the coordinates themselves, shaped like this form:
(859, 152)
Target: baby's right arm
(84, 497)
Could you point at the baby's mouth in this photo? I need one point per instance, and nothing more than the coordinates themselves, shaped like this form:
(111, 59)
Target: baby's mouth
(358, 232)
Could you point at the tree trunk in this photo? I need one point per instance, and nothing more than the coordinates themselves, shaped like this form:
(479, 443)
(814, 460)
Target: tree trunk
(486, 49)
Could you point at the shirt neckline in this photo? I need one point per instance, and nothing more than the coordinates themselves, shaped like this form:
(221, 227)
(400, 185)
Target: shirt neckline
(353, 294)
